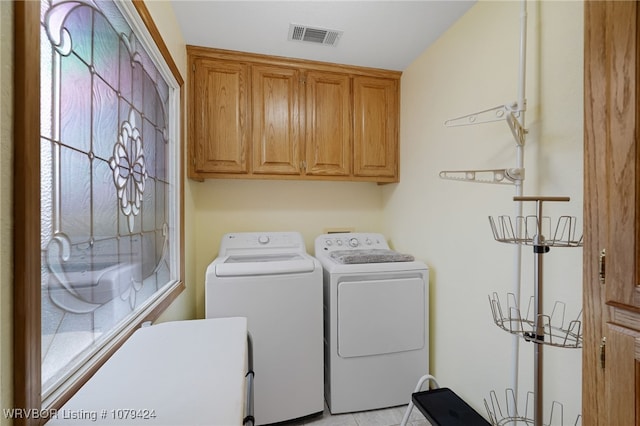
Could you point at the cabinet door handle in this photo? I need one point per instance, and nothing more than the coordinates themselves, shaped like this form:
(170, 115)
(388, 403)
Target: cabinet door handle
(602, 266)
(603, 350)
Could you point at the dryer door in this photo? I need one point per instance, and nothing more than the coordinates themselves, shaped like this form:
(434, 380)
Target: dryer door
(381, 316)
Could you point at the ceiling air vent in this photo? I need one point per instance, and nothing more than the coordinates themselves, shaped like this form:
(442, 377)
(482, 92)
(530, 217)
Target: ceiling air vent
(314, 35)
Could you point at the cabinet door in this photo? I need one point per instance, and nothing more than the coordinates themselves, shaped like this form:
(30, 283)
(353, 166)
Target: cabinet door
(622, 365)
(328, 124)
(220, 140)
(276, 120)
(622, 156)
(610, 391)
(375, 145)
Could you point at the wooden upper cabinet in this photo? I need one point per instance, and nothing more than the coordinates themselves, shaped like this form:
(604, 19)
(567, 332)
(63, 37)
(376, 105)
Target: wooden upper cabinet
(263, 117)
(276, 120)
(328, 124)
(219, 128)
(375, 148)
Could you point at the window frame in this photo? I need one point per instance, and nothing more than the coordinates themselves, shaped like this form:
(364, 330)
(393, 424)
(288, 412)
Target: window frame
(27, 383)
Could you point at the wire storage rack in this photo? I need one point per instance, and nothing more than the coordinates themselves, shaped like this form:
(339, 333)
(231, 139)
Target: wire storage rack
(535, 326)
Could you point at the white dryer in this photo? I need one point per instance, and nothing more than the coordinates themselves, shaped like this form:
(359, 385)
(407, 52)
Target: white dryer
(269, 278)
(376, 340)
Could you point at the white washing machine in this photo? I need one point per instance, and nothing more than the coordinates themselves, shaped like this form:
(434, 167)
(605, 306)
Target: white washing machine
(269, 278)
(376, 339)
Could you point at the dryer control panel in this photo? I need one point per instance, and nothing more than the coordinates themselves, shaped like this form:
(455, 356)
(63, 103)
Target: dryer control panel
(350, 241)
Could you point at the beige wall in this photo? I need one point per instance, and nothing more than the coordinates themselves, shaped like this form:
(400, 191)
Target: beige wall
(6, 168)
(473, 67)
(310, 208)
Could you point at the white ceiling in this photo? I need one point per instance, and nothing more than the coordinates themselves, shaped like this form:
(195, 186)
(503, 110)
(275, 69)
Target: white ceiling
(379, 34)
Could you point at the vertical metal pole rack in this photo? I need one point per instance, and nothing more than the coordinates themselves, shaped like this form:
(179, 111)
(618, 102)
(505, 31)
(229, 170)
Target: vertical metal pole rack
(536, 327)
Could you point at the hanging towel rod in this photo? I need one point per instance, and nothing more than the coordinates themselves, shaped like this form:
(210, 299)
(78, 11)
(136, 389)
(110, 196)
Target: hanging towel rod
(509, 113)
(498, 176)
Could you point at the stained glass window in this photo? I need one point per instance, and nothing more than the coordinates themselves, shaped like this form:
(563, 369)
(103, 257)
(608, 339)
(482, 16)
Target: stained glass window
(109, 171)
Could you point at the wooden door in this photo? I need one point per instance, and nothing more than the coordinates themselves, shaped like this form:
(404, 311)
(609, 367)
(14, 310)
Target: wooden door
(328, 124)
(276, 120)
(376, 113)
(611, 350)
(218, 118)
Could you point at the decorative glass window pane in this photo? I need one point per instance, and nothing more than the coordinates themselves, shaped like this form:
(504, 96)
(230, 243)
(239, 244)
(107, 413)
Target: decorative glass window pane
(109, 181)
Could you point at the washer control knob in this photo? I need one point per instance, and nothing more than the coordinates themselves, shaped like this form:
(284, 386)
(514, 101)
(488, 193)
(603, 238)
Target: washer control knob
(353, 242)
(328, 242)
(368, 241)
(263, 239)
(339, 242)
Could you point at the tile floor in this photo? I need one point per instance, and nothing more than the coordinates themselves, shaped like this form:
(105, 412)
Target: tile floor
(385, 417)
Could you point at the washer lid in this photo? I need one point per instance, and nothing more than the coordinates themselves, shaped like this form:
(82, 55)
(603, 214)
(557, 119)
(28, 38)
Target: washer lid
(263, 264)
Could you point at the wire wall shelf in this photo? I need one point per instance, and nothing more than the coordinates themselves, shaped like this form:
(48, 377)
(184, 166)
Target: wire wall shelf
(528, 230)
(556, 332)
(499, 416)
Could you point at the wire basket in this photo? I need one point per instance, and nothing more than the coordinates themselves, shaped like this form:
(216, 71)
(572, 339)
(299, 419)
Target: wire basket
(529, 230)
(508, 415)
(556, 332)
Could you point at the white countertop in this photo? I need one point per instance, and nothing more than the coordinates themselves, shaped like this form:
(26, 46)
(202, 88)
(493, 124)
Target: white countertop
(182, 373)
